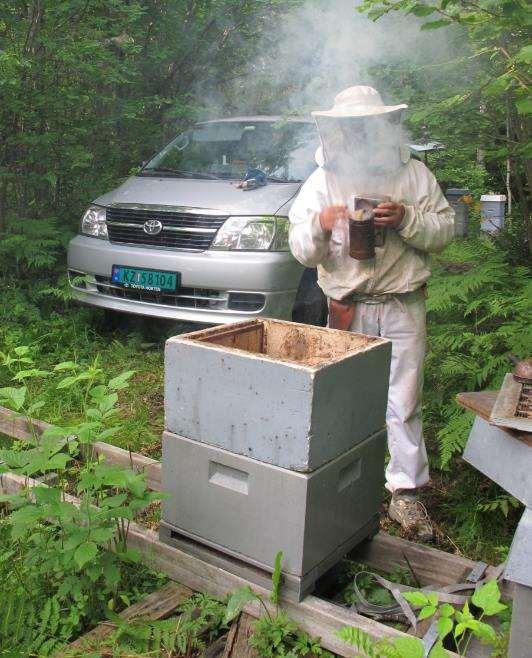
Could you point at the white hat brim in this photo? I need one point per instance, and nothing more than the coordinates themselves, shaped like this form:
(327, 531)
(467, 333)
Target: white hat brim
(358, 111)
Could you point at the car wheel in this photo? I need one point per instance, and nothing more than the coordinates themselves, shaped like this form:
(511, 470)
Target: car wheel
(310, 306)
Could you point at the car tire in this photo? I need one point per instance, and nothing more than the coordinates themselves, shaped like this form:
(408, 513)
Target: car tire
(310, 306)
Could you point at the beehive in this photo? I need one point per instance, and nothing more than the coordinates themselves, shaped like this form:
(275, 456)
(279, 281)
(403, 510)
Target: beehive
(248, 510)
(291, 395)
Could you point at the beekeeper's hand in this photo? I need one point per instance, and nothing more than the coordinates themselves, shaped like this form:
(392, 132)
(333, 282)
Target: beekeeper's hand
(389, 214)
(329, 215)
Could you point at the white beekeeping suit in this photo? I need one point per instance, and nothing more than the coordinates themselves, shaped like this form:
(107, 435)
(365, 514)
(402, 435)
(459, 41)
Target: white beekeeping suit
(360, 157)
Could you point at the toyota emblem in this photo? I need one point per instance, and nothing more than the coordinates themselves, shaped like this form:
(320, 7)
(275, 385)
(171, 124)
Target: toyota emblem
(152, 227)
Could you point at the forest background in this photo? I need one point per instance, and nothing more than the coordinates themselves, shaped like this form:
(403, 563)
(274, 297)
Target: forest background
(90, 89)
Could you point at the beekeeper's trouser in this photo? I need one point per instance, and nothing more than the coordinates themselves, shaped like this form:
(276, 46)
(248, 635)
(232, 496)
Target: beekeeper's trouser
(402, 319)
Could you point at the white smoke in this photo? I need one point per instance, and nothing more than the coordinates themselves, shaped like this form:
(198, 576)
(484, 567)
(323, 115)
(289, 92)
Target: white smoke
(319, 48)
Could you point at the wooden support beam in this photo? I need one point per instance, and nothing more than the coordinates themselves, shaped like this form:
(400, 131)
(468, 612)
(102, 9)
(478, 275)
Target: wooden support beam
(133, 460)
(18, 427)
(237, 644)
(481, 403)
(315, 616)
(430, 565)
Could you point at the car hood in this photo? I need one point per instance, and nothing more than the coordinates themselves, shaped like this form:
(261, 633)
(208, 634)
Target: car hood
(214, 195)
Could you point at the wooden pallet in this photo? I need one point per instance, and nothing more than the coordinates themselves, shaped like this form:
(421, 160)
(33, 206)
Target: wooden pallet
(162, 604)
(316, 616)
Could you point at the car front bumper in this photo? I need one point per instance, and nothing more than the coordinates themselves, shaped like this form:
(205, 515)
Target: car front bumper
(216, 286)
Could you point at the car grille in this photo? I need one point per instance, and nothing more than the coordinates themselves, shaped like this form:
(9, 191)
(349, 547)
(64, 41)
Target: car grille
(206, 298)
(182, 297)
(186, 231)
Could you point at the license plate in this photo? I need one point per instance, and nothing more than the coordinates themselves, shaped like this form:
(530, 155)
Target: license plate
(144, 279)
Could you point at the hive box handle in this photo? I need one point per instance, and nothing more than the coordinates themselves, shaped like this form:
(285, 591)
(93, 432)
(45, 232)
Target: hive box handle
(349, 474)
(228, 477)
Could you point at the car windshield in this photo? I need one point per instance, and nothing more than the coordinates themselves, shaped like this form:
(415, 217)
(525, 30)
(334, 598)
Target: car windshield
(283, 150)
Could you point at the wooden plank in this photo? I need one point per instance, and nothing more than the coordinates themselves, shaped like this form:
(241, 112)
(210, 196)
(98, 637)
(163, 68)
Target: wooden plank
(385, 551)
(157, 605)
(315, 616)
(482, 403)
(216, 649)
(430, 565)
(213, 334)
(17, 426)
(504, 410)
(134, 460)
(237, 644)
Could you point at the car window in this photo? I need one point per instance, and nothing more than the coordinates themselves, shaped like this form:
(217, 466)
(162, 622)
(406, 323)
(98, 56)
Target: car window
(284, 151)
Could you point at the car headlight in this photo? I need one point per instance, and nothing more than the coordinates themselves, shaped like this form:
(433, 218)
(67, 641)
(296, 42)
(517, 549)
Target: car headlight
(266, 233)
(93, 222)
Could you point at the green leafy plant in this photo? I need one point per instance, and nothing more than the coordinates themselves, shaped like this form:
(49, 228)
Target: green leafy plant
(244, 595)
(399, 647)
(456, 627)
(503, 504)
(70, 556)
(196, 623)
(478, 307)
(497, 93)
(279, 636)
(274, 636)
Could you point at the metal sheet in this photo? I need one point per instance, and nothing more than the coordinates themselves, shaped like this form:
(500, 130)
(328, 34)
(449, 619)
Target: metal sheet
(519, 564)
(501, 457)
(252, 510)
(289, 414)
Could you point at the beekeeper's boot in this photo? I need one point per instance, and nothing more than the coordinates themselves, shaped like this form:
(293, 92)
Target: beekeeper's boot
(406, 508)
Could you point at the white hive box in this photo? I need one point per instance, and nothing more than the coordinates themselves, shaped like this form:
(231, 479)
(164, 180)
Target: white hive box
(288, 394)
(237, 513)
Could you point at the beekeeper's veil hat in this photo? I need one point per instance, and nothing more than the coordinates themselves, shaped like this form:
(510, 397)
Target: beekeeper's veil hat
(357, 130)
(358, 101)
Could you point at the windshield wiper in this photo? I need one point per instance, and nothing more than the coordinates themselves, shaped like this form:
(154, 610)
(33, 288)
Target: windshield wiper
(274, 179)
(180, 173)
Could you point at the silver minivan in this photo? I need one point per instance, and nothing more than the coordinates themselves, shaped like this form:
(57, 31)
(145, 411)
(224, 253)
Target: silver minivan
(201, 232)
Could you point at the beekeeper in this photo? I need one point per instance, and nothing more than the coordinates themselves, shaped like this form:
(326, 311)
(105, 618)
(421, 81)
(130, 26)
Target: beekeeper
(362, 153)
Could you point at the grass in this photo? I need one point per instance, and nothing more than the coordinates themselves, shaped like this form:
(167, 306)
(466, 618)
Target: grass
(454, 498)
(81, 336)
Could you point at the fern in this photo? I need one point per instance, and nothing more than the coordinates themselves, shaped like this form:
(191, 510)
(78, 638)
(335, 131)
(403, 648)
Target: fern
(479, 310)
(201, 617)
(276, 578)
(502, 504)
(30, 244)
(357, 638)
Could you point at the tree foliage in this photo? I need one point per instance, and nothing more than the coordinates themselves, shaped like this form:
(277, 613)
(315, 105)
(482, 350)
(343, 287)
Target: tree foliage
(91, 87)
(492, 96)
(479, 311)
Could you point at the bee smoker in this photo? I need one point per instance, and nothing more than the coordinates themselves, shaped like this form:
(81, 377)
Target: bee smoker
(363, 235)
